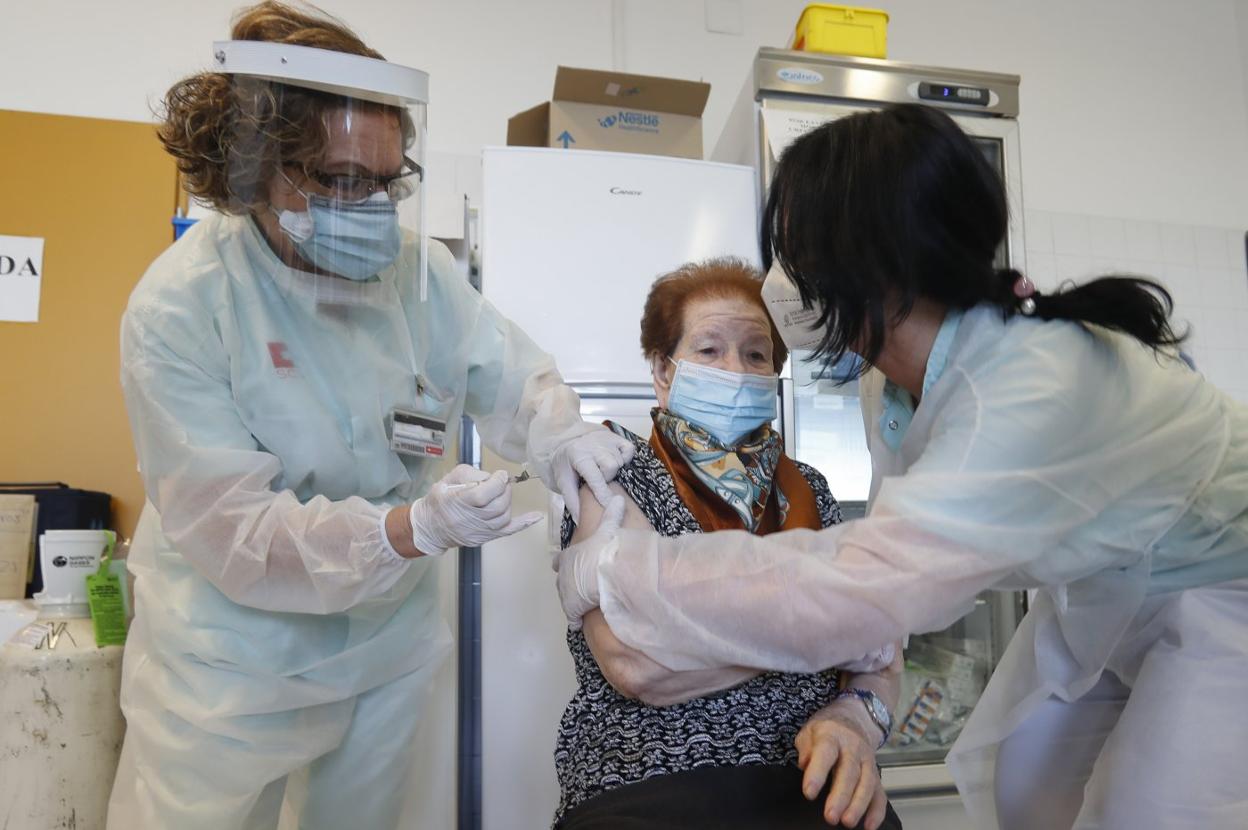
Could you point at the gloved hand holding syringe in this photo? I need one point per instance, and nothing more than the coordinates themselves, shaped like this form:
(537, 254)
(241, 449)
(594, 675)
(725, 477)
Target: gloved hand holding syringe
(468, 507)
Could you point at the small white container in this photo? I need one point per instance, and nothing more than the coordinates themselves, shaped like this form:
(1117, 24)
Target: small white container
(68, 557)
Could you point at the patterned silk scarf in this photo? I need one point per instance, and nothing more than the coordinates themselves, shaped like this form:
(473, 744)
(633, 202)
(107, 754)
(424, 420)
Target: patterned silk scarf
(754, 485)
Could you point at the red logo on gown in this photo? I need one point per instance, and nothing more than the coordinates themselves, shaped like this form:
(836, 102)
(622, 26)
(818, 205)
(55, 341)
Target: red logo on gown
(281, 361)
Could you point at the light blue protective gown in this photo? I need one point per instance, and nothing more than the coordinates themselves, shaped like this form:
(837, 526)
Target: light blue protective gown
(274, 627)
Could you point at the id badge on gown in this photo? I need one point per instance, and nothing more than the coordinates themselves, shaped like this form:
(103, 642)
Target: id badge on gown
(416, 434)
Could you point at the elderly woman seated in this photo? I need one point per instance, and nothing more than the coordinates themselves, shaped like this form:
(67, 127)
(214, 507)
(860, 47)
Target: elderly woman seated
(640, 746)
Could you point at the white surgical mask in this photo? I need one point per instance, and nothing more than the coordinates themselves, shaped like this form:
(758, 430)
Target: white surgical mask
(797, 325)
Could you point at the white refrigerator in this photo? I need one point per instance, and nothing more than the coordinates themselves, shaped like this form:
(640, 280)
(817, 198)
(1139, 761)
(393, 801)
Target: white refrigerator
(571, 242)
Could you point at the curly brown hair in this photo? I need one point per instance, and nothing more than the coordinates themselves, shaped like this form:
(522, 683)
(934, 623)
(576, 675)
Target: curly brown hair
(230, 134)
(662, 321)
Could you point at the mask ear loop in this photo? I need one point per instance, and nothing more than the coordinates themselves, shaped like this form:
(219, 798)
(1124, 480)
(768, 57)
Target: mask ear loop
(656, 370)
(281, 171)
(297, 229)
(675, 369)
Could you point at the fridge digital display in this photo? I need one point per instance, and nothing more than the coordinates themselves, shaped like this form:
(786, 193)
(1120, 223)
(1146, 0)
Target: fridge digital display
(955, 93)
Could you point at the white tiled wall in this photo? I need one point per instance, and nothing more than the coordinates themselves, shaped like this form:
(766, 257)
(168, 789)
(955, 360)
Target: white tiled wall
(1204, 268)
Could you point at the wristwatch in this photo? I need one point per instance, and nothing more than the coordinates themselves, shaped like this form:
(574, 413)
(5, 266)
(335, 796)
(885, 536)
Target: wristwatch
(876, 709)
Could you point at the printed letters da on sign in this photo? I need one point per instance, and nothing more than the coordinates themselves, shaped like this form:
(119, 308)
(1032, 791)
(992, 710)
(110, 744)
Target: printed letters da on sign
(21, 276)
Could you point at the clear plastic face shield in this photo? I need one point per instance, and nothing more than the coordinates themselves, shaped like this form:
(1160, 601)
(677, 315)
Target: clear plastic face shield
(327, 151)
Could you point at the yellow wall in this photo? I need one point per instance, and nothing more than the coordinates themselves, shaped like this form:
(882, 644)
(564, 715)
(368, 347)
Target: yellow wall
(101, 194)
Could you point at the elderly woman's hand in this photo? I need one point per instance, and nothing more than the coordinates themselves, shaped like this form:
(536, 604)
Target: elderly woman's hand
(842, 741)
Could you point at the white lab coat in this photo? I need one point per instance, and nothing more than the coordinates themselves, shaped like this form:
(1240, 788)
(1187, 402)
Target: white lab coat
(1046, 456)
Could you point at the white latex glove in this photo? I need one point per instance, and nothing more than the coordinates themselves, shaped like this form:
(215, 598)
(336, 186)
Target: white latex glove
(577, 565)
(453, 515)
(595, 457)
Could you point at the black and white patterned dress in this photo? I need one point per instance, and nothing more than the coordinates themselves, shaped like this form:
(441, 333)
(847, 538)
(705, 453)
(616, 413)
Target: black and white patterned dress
(607, 740)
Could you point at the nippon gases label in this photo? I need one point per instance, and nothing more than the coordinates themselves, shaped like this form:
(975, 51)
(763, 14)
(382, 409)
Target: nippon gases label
(75, 561)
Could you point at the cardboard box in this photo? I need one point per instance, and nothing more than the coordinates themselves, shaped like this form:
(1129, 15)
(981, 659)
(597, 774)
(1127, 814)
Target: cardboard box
(17, 540)
(595, 110)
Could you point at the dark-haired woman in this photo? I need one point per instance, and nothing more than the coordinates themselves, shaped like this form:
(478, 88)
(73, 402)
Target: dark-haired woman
(294, 400)
(1019, 440)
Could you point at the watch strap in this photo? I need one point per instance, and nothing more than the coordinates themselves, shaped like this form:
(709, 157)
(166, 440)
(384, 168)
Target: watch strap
(874, 706)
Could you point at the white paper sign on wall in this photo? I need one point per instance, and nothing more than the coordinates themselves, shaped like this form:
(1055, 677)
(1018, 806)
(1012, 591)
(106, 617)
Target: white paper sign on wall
(21, 274)
(786, 126)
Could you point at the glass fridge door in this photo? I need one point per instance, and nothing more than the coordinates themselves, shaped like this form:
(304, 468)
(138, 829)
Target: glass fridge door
(946, 672)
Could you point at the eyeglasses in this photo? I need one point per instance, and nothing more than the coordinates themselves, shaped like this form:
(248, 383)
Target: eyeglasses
(346, 188)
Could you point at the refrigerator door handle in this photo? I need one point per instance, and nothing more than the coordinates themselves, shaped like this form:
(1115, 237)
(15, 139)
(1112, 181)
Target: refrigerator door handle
(918, 780)
(599, 389)
(788, 417)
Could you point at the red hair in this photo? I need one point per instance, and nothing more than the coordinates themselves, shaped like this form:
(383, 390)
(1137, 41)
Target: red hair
(662, 321)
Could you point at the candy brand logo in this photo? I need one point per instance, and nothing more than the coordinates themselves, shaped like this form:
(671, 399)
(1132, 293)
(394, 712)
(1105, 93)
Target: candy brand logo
(282, 364)
(800, 76)
(646, 122)
(60, 561)
(620, 191)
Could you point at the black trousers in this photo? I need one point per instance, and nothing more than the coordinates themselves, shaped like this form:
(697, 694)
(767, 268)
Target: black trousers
(754, 797)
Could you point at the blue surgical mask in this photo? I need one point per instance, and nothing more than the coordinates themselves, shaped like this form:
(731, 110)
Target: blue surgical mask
(728, 405)
(845, 370)
(353, 240)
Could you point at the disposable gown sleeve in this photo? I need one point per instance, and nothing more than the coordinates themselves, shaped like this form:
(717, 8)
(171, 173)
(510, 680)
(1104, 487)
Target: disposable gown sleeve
(999, 485)
(519, 403)
(213, 486)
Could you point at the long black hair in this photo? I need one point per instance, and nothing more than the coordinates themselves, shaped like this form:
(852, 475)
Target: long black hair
(871, 212)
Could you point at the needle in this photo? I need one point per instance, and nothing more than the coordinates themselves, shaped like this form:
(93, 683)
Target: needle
(524, 475)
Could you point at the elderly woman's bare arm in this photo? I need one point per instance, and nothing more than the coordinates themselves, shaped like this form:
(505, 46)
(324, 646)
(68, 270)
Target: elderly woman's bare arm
(630, 672)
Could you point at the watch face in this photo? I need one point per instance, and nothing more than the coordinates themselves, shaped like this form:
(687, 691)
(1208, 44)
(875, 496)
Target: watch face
(879, 710)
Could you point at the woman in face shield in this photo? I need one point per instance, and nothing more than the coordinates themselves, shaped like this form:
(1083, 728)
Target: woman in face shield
(295, 383)
(1019, 440)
